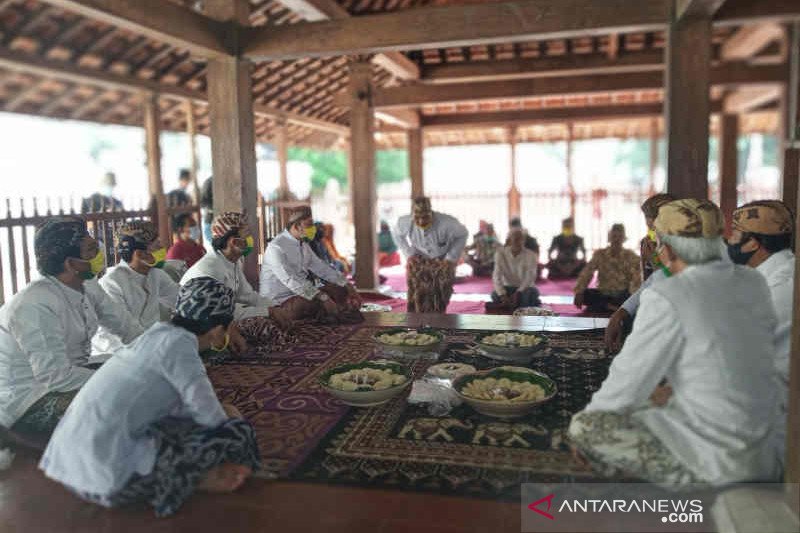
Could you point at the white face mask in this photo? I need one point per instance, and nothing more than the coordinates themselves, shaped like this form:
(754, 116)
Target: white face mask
(194, 233)
(108, 190)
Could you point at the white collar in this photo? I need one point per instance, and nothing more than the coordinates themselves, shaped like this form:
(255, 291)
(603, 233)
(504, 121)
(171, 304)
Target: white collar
(775, 263)
(137, 275)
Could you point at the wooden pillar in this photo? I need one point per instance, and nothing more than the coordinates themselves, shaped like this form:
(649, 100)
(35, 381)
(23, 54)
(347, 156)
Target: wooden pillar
(233, 144)
(282, 151)
(728, 166)
(415, 143)
(514, 197)
(789, 136)
(191, 131)
(362, 172)
(570, 184)
(792, 467)
(654, 137)
(152, 130)
(687, 106)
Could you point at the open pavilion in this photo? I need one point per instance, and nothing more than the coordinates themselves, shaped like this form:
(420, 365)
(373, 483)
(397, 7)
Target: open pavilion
(362, 75)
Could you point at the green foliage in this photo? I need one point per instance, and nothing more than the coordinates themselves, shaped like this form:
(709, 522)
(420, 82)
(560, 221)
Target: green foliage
(390, 165)
(634, 156)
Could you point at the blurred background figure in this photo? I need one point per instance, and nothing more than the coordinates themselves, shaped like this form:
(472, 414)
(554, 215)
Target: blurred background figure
(207, 208)
(186, 240)
(480, 254)
(387, 248)
(514, 275)
(340, 262)
(566, 264)
(180, 197)
(103, 201)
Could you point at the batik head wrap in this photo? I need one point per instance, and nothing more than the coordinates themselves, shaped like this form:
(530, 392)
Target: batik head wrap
(765, 217)
(135, 235)
(205, 299)
(55, 240)
(228, 221)
(651, 206)
(690, 218)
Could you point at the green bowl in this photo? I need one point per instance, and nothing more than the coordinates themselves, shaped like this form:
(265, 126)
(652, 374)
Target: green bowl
(408, 348)
(505, 409)
(519, 354)
(366, 398)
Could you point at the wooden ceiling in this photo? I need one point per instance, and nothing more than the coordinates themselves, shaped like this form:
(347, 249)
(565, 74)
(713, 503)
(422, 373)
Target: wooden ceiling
(69, 50)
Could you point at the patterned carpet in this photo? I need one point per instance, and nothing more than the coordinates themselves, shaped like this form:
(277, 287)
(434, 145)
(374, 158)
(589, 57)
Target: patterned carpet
(304, 434)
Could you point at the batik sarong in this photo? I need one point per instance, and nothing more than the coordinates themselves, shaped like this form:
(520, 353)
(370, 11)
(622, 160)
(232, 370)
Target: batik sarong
(41, 419)
(430, 284)
(262, 331)
(618, 445)
(186, 452)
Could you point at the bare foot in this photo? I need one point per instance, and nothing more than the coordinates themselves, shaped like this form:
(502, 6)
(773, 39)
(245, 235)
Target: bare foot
(226, 477)
(232, 411)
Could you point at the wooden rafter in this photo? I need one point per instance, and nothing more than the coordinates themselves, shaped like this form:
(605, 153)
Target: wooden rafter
(157, 19)
(458, 25)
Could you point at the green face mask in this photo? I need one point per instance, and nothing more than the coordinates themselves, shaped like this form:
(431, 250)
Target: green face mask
(159, 258)
(309, 233)
(96, 265)
(249, 247)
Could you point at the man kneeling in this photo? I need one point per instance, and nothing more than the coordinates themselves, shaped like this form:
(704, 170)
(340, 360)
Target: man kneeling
(286, 271)
(709, 330)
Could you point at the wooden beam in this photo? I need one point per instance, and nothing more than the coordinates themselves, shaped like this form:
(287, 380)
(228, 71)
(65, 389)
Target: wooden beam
(22, 97)
(573, 65)
(488, 119)
(687, 106)
(416, 148)
(163, 21)
(405, 118)
(747, 99)
(395, 63)
(456, 25)
(152, 131)
(750, 40)
(733, 74)
(362, 172)
(38, 66)
(728, 166)
(738, 12)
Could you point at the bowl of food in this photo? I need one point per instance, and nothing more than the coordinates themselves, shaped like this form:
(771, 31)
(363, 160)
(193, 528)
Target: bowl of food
(367, 383)
(506, 391)
(514, 346)
(409, 340)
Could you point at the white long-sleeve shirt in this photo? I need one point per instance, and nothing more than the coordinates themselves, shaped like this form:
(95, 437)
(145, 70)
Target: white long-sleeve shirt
(143, 296)
(710, 332)
(514, 270)
(778, 270)
(631, 305)
(101, 441)
(445, 238)
(45, 334)
(217, 266)
(285, 267)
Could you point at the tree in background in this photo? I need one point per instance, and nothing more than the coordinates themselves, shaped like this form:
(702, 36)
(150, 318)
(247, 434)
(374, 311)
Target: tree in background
(390, 166)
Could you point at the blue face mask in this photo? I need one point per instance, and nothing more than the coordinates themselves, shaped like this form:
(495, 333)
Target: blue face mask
(194, 233)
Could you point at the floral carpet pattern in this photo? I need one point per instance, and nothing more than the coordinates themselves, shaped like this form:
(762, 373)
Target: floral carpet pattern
(305, 434)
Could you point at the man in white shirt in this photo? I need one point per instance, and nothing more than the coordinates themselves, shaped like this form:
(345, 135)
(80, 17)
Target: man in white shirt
(514, 275)
(432, 243)
(286, 272)
(47, 327)
(709, 330)
(761, 238)
(137, 283)
(256, 318)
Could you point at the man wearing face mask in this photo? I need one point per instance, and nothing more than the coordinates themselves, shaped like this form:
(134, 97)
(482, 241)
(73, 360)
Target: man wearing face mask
(432, 243)
(762, 239)
(709, 330)
(285, 275)
(137, 283)
(567, 245)
(255, 316)
(47, 327)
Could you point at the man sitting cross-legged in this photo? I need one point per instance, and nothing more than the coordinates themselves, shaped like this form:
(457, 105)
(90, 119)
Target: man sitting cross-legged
(709, 330)
(285, 276)
(514, 274)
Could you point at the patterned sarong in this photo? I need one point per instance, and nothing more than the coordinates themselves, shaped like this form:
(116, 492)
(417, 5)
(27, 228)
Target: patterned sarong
(617, 445)
(186, 452)
(41, 419)
(264, 332)
(430, 284)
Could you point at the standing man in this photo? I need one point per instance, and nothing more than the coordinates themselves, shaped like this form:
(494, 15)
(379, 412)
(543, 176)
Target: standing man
(180, 197)
(432, 243)
(762, 239)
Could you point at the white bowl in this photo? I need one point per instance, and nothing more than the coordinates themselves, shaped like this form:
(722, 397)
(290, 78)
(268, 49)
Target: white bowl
(408, 348)
(506, 409)
(366, 398)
